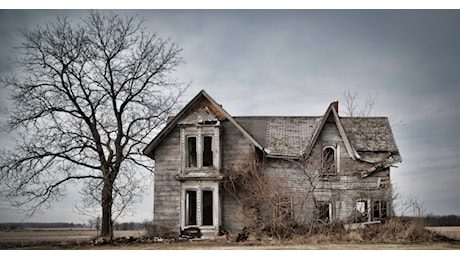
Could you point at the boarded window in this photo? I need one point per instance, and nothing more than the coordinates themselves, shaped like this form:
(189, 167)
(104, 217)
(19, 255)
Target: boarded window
(207, 151)
(328, 161)
(191, 152)
(380, 210)
(190, 207)
(207, 208)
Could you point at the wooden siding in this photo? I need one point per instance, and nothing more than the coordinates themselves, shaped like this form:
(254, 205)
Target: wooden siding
(166, 187)
(235, 149)
(341, 190)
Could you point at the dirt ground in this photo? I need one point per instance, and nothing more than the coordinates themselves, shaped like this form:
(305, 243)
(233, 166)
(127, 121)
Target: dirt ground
(76, 239)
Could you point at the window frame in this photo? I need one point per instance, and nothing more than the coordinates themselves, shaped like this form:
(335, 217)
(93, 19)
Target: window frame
(319, 212)
(326, 171)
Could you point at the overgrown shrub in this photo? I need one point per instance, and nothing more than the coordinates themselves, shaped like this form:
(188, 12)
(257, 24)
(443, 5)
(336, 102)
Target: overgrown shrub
(394, 230)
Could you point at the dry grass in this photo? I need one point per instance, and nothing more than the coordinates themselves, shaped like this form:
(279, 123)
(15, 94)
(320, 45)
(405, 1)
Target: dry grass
(450, 232)
(61, 236)
(390, 236)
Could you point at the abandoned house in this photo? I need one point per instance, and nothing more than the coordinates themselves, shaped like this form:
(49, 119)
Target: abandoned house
(214, 171)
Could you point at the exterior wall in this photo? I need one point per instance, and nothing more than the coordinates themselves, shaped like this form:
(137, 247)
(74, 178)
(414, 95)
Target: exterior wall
(341, 190)
(235, 149)
(166, 187)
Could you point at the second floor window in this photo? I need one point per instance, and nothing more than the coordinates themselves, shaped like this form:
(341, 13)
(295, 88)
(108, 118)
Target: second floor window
(328, 161)
(191, 152)
(199, 151)
(207, 151)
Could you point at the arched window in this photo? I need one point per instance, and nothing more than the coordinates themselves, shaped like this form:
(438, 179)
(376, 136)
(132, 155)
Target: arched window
(329, 161)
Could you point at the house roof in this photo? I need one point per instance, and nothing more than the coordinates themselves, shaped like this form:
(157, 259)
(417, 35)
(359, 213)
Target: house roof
(284, 136)
(201, 98)
(292, 136)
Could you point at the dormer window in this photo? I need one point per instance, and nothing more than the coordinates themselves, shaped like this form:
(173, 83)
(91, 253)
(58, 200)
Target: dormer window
(329, 161)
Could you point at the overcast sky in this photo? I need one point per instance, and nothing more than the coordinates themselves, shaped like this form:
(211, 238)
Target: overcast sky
(296, 62)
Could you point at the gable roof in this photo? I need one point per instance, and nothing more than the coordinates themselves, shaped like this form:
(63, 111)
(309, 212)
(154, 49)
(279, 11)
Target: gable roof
(332, 113)
(293, 136)
(216, 108)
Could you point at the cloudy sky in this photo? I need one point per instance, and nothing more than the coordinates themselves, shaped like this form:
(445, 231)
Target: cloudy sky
(295, 62)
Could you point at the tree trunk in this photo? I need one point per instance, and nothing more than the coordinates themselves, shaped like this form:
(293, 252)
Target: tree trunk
(107, 200)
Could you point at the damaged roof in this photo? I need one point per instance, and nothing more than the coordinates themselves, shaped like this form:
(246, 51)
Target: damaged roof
(289, 136)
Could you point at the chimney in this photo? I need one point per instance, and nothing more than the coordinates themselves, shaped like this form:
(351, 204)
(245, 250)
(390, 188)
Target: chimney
(336, 106)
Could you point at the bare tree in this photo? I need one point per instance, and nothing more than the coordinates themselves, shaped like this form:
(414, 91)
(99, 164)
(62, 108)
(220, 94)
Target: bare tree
(355, 109)
(87, 100)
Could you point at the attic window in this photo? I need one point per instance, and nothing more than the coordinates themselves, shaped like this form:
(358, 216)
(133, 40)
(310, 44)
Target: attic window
(329, 161)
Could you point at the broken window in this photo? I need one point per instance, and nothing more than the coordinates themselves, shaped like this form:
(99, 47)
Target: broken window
(380, 209)
(191, 154)
(323, 211)
(190, 207)
(207, 208)
(207, 151)
(362, 209)
(328, 161)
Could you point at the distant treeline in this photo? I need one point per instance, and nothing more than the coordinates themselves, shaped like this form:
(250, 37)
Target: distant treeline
(116, 225)
(435, 221)
(429, 220)
(40, 225)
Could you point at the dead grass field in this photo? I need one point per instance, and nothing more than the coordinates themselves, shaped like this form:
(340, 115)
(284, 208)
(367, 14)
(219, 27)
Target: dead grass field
(450, 232)
(62, 236)
(78, 239)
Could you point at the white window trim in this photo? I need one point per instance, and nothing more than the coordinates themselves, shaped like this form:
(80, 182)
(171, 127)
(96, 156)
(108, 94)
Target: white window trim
(199, 187)
(200, 132)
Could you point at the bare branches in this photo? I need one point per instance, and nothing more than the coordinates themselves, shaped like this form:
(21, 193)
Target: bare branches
(87, 98)
(352, 106)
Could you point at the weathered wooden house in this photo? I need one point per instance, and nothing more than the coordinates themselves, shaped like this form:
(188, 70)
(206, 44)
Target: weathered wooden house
(330, 168)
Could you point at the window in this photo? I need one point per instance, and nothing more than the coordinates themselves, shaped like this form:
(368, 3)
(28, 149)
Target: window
(207, 151)
(328, 161)
(199, 208)
(380, 210)
(207, 217)
(362, 209)
(323, 211)
(190, 207)
(191, 152)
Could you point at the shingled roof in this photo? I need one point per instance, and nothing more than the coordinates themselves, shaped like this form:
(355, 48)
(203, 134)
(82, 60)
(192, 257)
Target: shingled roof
(289, 136)
(285, 136)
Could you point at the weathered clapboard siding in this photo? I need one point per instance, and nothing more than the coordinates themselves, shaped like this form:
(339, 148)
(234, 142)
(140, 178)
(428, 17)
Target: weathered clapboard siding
(235, 147)
(166, 187)
(341, 190)
(235, 150)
